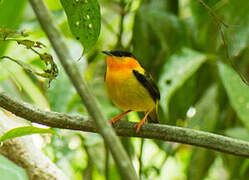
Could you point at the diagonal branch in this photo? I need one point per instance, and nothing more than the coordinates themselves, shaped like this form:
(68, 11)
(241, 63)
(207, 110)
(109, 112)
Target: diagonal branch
(121, 158)
(151, 131)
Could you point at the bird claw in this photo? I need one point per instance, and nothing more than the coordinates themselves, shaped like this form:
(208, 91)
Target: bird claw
(113, 120)
(138, 126)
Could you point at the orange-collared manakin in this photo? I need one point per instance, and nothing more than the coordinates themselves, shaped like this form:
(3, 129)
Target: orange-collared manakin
(130, 87)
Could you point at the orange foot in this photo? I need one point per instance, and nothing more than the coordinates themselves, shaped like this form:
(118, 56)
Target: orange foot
(138, 125)
(116, 118)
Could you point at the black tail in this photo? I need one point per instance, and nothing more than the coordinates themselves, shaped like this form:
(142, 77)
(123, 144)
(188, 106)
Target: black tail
(153, 116)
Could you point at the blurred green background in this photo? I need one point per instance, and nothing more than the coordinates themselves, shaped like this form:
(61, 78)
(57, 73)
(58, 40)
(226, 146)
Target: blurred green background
(181, 45)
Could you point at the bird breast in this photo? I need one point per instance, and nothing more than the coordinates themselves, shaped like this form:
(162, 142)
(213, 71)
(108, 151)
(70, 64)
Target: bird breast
(127, 92)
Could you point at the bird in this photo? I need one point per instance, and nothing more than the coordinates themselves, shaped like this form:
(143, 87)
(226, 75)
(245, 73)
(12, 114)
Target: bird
(130, 87)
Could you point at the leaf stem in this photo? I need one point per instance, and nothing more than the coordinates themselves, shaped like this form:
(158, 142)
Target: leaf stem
(140, 158)
(211, 12)
(107, 160)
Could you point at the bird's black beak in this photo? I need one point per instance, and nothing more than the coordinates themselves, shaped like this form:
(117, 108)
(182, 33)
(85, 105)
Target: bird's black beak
(107, 53)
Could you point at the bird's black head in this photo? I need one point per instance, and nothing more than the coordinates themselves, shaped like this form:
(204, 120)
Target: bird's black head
(118, 53)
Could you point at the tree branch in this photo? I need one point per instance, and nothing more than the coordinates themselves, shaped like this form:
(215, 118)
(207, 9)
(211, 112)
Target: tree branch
(121, 158)
(24, 153)
(123, 128)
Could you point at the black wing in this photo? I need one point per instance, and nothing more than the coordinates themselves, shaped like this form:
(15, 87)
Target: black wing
(147, 81)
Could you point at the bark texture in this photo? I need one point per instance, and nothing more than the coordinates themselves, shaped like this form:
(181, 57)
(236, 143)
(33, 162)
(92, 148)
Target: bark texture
(24, 152)
(123, 128)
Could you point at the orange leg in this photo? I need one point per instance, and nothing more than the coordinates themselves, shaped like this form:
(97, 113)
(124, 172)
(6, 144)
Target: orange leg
(138, 125)
(116, 118)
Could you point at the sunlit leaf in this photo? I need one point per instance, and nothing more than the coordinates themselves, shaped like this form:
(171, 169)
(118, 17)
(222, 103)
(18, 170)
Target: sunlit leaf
(84, 20)
(237, 91)
(176, 71)
(23, 131)
(204, 119)
(206, 111)
(189, 93)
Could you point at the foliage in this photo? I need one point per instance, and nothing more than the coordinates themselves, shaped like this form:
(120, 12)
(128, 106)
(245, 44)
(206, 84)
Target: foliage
(50, 71)
(179, 42)
(23, 131)
(84, 20)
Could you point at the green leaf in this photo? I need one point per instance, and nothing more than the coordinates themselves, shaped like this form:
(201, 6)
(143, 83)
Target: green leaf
(201, 161)
(205, 119)
(23, 131)
(237, 91)
(142, 32)
(84, 20)
(189, 94)
(154, 25)
(207, 33)
(206, 111)
(238, 133)
(236, 166)
(237, 33)
(176, 71)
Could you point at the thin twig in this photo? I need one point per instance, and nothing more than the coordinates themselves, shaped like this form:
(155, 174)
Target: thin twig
(108, 26)
(140, 158)
(121, 24)
(220, 22)
(124, 128)
(235, 67)
(217, 18)
(107, 160)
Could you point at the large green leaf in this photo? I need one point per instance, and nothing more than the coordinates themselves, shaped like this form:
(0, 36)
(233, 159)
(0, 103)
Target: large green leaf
(23, 131)
(236, 166)
(176, 72)
(142, 32)
(200, 162)
(160, 32)
(167, 27)
(204, 119)
(233, 12)
(206, 111)
(205, 34)
(84, 20)
(237, 91)
(236, 15)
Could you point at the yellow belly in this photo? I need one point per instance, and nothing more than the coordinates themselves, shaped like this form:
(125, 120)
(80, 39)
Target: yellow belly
(127, 93)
